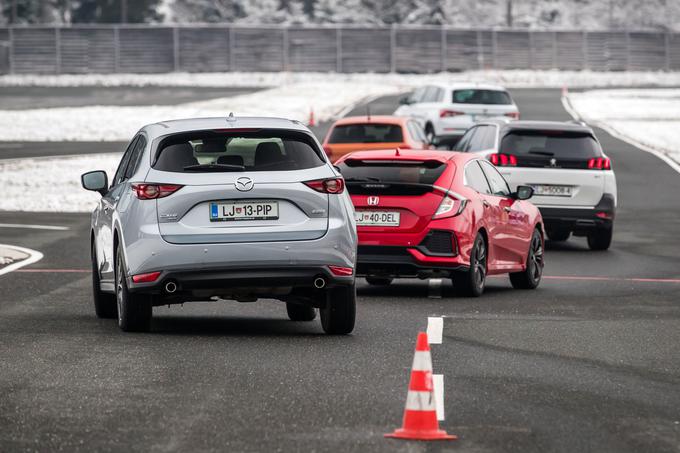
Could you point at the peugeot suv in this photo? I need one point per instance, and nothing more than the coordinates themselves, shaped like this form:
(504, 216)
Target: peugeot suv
(223, 208)
(573, 179)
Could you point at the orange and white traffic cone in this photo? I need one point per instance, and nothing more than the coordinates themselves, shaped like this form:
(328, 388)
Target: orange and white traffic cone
(420, 415)
(312, 121)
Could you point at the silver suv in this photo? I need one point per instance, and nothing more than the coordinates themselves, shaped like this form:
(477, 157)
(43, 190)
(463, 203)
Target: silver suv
(223, 208)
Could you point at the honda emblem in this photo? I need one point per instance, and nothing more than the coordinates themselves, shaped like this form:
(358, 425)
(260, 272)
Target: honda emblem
(373, 201)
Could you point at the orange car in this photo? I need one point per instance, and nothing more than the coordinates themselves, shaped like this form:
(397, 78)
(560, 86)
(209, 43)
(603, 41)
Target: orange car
(362, 133)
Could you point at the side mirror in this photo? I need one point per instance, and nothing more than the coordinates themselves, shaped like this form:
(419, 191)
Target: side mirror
(97, 181)
(523, 193)
(406, 100)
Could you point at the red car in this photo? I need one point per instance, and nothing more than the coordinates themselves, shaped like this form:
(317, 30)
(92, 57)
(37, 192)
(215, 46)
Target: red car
(430, 213)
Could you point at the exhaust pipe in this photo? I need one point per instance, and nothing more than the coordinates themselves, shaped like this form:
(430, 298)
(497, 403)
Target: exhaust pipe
(170, 287)
(319, 282)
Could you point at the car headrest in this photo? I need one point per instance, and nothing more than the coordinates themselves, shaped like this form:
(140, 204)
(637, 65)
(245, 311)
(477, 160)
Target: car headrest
(176, 157)
(230, 160)
(268, 153)
(213, 146)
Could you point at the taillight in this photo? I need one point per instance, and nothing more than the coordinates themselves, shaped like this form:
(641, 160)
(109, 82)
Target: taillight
(513, 115)
(152, 191)
(331, 185)
(146, 278)
(449, 207)
(600, 163)
(341, 271)
(446, 113)
(503, 160)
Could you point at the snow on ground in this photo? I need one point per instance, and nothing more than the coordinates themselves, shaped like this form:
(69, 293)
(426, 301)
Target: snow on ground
(509, 78)
(51, 184)
(649, 117)
(119, 123)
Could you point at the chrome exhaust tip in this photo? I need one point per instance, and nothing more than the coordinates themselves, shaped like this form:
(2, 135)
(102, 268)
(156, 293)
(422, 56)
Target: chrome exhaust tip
(319, 282)
(170, 287)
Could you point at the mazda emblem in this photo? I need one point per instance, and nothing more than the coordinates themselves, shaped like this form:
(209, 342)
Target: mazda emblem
(244, 184)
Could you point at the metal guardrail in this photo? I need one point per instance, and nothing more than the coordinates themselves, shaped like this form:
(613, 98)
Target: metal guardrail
(407, 49)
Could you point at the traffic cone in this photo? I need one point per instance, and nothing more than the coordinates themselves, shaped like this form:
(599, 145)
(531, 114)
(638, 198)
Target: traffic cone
(420, 415)
(312, 121)
(565, 91)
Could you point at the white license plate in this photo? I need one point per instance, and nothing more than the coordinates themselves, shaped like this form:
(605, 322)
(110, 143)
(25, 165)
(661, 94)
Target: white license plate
(552, 191)
(377, 218)
(244, 210)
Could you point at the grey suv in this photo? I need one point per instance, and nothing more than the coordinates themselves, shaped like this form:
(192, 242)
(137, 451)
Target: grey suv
(223, 208)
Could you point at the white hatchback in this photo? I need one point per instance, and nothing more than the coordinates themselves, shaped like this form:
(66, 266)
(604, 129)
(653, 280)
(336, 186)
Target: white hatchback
(446, 111)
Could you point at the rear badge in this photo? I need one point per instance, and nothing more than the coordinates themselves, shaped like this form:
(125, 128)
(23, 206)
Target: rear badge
(373, 201)
(244, 184)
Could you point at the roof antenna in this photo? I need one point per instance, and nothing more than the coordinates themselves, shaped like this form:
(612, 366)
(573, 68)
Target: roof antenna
(368, 112)
(231, 117)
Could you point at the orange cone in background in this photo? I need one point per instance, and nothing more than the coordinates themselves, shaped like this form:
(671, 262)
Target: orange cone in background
(565, 91)
(312, 121)
(420, 415)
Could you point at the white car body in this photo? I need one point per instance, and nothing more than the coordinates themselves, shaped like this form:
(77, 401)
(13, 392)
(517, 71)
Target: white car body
(434, 107)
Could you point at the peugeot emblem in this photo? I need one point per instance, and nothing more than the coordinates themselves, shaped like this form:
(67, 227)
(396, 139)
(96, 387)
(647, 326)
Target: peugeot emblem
(553, 162)
(244, 184)
(373, 201)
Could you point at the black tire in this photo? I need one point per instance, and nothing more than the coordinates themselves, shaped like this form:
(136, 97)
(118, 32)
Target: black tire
(472, 282)
(299, 312)
(531, 276)
(134, 310)
(559, 235)
(600, 239)
(379, 281)
(104, 303)
(339, 314)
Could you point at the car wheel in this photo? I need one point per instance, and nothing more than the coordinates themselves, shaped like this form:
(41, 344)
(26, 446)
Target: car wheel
(379, 281)
(600, 239)
(338, 315)
(104, 303)
(134, 310)
(299, 312)
(472, 282)
(531, 276)
(559, 235)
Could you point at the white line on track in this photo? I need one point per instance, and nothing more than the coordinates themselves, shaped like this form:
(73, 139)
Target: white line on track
(434, 288)
(435, 326)
(34, 227)
(33, 257)
(438, 388)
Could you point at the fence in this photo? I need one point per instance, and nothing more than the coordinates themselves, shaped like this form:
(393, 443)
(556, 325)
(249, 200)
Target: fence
(207, 48)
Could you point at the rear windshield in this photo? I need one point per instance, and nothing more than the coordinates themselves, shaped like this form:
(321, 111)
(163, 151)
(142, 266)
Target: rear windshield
(417, 172)
(367, 133)
(255, 150)
(481, 97)
(550, 144)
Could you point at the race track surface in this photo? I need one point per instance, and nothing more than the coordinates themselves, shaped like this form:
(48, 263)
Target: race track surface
(588, 362)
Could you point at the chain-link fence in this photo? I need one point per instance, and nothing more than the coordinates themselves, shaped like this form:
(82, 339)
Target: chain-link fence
(206, 48)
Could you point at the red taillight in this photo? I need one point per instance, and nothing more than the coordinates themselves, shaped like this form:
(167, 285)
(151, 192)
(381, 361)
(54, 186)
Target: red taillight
(600, 163)
(449, 207)
(152, 191)
(503, 160)
(341, 271)
(446, 113)
(513, 115)
(146, 278)
(331, 185)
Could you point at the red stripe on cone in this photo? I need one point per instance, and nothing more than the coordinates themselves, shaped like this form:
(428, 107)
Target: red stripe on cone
(420, 416)
(312, 121)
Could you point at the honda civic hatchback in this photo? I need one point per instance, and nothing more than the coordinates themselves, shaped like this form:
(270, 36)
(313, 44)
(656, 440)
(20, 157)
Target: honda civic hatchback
(441, 214)
(223, 208)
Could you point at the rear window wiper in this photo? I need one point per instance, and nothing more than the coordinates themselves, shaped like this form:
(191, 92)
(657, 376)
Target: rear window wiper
(214, 167)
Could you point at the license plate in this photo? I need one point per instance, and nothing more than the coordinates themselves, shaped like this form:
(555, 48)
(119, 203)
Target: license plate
(552, 191)
(244, 210)
(377, 218)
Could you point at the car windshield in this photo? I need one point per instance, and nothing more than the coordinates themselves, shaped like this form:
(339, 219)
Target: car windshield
(256, 150)
(557, 144)
(474, 96)
(366, 133)
(413, 172)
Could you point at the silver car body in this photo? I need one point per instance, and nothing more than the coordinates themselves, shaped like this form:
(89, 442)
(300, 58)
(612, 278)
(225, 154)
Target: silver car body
(174, 235)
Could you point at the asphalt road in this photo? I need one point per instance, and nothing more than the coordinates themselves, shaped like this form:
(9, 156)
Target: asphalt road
(588, 362)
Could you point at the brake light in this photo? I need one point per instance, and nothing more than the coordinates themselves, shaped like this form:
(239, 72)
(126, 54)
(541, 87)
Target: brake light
(600, 163)
(331, 185)
(145, 191)
(513, 115)
(446, 113)
(449, 207)
(146, 278)
(503, 160)
(341, 271)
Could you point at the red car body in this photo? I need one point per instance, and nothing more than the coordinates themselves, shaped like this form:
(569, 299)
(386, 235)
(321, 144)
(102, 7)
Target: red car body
(425, 243)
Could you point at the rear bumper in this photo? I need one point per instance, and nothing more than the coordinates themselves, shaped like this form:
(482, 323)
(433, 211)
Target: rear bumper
(395, 261)
(581, 219)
